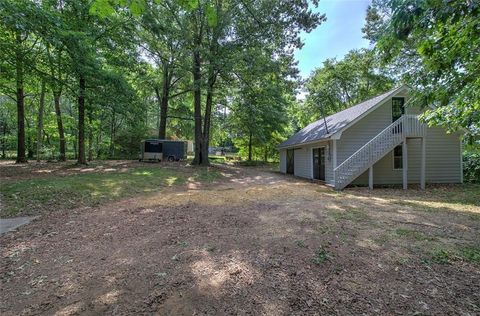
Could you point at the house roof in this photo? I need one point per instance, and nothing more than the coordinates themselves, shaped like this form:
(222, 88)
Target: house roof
(337, 122)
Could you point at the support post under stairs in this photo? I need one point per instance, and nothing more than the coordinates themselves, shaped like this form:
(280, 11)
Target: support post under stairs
(405, 164)
(370, 178)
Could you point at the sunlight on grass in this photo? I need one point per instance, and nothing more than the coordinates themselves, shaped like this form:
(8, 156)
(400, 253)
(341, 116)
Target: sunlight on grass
(88, 189)
(431, 206)
(171, 180)
(143, 173)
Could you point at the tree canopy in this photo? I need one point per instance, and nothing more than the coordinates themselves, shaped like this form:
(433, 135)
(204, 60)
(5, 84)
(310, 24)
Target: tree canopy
(339, 84)
(90, 79)
(434, 47)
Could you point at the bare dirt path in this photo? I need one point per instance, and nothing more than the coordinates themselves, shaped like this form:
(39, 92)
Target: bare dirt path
(256, 243)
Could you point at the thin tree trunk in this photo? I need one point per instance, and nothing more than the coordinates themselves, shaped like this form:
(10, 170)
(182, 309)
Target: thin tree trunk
(90, 136)
(40, 120)
(61, 133)
(4, 139)
(21, 158)
(97, 142)
(112, 135)
(74, 132)
(81, 122)
(250, 146)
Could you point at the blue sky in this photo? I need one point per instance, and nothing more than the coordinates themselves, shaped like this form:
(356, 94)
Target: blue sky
(334, 38)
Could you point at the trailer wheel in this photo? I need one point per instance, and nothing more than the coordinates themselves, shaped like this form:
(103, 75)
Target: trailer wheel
(171, 158)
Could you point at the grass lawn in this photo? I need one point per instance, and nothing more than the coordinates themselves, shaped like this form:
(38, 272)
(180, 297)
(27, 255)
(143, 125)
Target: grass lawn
(72, 187)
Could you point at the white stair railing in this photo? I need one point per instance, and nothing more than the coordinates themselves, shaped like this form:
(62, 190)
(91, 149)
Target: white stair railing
(376, 148)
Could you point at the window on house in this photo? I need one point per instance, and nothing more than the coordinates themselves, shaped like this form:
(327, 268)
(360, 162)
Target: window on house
(398, 157)
(398, 108)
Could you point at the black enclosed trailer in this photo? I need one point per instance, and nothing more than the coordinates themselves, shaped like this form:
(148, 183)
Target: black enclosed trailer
(162, 149)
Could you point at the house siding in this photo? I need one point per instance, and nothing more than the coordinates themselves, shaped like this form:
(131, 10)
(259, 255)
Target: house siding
(363, 131)
(368, 127)
(442, 160)
(443, 151)
(304, 161)
(283, 161)
(383, 172)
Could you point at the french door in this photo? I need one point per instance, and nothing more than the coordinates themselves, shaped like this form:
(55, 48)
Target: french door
(290, 161)
(319, 163)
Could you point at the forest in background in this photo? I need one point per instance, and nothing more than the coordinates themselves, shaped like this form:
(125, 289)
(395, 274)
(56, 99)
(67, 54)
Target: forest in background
(89, 79)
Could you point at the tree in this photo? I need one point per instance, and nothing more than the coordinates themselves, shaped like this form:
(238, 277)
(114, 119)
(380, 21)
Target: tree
(57, 73)
(221, 30)
(119, 71)
(162, 41)
(17, 20)
(434, 46)
(340, 84)
(41, 110)
(259, 110)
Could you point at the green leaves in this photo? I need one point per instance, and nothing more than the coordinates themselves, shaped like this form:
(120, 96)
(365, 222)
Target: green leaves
(106, 8)
(137, 7)
(435, 46)
(102, 8)
(211, 13)
(189, 5)
(343, 83)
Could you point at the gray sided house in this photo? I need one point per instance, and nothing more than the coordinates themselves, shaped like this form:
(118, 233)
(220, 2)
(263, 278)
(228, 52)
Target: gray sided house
(377, 142)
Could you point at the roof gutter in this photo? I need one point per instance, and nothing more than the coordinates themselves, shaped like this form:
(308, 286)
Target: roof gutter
(307, 143)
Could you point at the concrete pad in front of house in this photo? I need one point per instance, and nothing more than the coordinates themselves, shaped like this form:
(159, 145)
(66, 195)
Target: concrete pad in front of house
(9, 224)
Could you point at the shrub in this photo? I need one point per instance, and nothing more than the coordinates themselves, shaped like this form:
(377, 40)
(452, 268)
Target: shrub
(471, 166)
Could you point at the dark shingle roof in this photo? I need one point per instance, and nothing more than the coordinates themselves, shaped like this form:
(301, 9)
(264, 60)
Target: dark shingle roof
(335, 122)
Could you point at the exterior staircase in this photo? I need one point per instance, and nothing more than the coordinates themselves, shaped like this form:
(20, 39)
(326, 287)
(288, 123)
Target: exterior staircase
(407, 126)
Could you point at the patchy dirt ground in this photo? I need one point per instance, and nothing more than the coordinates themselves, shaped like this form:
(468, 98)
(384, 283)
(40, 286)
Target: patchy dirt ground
(256, 242)
(34, 170)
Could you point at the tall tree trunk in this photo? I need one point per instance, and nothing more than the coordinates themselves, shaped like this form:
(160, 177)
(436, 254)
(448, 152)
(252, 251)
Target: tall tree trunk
(81, 122)
(90, 136)
(250, 146)
(159, 100)
(197, 104)
(167, 79)
(30, 141)
(40, 120)
(21, 158)
(61, 133)
(212, 77)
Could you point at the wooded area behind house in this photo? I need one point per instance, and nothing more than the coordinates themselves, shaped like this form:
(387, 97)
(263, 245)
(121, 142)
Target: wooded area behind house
(89, 80)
